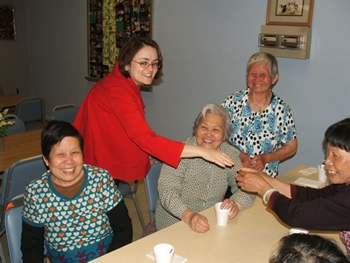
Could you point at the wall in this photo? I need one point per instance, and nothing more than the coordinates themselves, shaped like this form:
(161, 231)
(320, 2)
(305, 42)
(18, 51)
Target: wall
(13, 54)
(206, 45)
(57, 57)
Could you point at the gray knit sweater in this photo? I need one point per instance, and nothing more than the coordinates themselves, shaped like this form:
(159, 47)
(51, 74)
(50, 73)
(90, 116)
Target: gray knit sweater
(197, 184)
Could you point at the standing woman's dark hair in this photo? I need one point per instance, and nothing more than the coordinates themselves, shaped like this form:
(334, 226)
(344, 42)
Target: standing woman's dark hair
(131, 47)
(54, 132)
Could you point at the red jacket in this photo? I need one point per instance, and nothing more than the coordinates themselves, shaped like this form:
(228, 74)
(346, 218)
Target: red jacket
(116, 135)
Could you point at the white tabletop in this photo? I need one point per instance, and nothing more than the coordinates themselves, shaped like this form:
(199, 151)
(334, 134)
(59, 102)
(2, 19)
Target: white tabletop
(250, 237)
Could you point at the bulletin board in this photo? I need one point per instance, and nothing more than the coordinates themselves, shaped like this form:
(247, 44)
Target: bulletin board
(7, 22)
(110, 24)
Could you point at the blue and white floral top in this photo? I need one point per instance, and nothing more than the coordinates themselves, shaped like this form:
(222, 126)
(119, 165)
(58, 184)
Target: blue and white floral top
(255, 133)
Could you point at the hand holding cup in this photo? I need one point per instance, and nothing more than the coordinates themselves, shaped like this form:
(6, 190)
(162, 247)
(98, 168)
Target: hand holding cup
(222, 214)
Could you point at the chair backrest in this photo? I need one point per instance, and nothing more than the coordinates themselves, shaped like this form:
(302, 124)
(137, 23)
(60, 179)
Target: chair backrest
(17, 127)
(15, 179)
(13, 226)
(124, 188)
(151, 183)
(65, 112)
(11, 117)
(31, 109)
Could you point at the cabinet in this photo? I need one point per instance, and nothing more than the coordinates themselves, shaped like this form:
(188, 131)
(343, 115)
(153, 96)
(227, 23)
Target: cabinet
(286, 41)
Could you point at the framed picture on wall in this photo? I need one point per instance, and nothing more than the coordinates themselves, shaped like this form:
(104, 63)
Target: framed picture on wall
(7, 22)
(289, 12)
(110, 25)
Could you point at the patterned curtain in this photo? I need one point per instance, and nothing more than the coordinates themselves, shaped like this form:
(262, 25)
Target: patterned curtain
(110, 50)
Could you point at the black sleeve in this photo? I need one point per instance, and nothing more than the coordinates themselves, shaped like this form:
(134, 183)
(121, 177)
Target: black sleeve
(121, 225)
(314, 209)
(32, 243)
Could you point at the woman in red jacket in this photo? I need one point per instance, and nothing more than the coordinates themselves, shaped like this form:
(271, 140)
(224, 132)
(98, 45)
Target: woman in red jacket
(112, 121)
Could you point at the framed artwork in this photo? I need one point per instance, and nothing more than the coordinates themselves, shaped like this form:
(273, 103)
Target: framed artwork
(289, 12)
(110, 24)
(7, 22)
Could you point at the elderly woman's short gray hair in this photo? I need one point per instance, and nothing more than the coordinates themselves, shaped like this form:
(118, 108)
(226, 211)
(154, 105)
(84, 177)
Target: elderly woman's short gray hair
(217, 110)
(266, 58)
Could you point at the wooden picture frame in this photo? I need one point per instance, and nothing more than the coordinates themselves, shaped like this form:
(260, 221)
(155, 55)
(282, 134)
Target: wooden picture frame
(289, 12)
(7, 22)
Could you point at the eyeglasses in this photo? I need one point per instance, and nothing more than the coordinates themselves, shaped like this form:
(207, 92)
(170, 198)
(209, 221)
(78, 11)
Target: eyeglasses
(144, 64)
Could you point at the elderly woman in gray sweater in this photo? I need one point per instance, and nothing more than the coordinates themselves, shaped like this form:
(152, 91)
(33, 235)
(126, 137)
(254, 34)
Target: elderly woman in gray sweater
(197, 184)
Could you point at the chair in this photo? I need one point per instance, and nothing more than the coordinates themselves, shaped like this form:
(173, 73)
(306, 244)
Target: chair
(125, 186)
(65, 112)
(13, 226)
(151, 183)
(17, 127)
(31, 110)
(125, 189)
(2, 254)
(15, 179)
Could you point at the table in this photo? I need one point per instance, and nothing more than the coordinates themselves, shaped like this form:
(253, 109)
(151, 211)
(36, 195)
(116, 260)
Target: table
(9, 100)
(20, 146)
(250, 237)
(292, 175)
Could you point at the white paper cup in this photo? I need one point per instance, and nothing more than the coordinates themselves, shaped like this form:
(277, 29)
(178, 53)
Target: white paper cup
(163, 253)
(322, 174)
(221, 215)
(298, 231)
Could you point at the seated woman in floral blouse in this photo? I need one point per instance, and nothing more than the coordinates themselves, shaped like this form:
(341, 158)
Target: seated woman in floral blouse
(197, 184)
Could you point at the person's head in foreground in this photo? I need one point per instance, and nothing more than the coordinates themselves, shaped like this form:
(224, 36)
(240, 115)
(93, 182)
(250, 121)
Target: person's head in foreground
(302, 248)
(337, 145)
